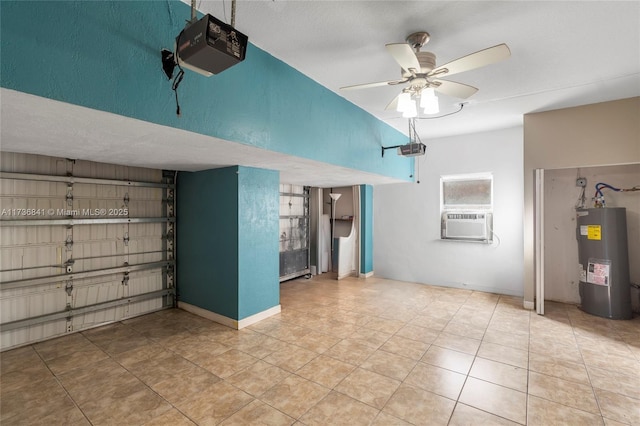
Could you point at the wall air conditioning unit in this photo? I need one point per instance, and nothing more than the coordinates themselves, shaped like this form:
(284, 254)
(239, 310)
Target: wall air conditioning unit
(468, 226)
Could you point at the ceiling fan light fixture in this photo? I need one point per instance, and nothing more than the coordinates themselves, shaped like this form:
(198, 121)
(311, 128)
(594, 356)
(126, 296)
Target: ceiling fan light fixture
(429, 101)
(412, 111)
(404, 102)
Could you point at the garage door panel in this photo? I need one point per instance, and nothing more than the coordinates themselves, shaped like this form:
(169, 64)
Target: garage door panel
(101, 254)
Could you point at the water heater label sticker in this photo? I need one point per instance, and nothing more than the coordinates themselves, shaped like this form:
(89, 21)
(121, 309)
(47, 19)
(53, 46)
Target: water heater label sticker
(594, 232)
(598, 273)
(583, 230)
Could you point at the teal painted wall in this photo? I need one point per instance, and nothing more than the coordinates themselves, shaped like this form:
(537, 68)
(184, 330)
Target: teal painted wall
(106, 55)
(258, 230)
(207, 240)
(366, 229)
(227, 240)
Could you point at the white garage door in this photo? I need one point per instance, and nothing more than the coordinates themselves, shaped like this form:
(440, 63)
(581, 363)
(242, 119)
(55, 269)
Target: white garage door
(81, 244)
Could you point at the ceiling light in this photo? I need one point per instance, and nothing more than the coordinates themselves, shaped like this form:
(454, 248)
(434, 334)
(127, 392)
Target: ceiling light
(404, 102)
(429, 101)
(412, 111)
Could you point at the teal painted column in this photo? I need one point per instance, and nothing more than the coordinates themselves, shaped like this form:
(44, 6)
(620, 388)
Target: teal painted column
(258, 240)
(366, 229)
(227, 242)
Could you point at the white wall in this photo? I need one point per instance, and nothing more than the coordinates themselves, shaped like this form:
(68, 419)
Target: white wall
(561, 249)
(407, 218)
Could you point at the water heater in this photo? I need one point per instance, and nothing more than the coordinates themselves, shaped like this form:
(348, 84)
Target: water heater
(605, 288)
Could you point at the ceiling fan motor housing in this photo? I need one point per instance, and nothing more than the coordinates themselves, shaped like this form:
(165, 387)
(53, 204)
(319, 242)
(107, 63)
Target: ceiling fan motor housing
(427, 61)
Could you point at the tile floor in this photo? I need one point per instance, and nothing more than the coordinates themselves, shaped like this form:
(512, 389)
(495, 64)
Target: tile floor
(341, 353)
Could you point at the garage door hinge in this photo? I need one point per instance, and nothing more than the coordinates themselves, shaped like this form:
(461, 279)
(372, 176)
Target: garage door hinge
(126, 199)
(69, 242)
(125, 279)
(70, 195)
(69, 265)
(69, 288)
(126, 239)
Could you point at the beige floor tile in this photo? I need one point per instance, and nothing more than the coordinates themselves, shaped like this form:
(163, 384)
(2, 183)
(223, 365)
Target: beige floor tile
(366, 386)
(103, 379)
(33, 401)
(61, 346)
(339, 409)
(449, 359)
(316, 341)
(350, 351)
(146, 353)
(614, 362)
(542, 412)
(292, 358)
(457, 343)
(563, 392)
(170, 418)
(421, 334)
(464, 415)
(18, 359)
(294, 395)
(390, 365)
(609, 422)
(438, 380)
(369, 337)
(214, 404)
(616, 382)
(287, 332)
(135, 405)
(384, 419)
(187, 385)
(512, 340)
(405, 347)
(495, 399)
(258, 413)
(470, 330)
(619, 407)
(572, 371)
(158, 368)
(326, 371)
(107, 333)
(76, 358)
(30, 372)
(504, 354)
(384, 325)
(430, 322)
(500, 374)
(416, 406)
(257, 378)
(227, 363)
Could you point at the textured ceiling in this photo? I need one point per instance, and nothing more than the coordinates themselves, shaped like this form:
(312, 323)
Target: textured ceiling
(563, 54)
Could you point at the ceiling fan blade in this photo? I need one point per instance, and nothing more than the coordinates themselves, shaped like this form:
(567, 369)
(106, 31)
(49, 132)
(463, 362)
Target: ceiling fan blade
(455, 89)
(368, 85)
(475, 60)
(404, 56)
(393, 105)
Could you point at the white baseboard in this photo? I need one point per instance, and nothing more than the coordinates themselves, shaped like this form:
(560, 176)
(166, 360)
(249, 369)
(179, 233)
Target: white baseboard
(528, 305)
(366, 275)
(245, 322)
(230, 322)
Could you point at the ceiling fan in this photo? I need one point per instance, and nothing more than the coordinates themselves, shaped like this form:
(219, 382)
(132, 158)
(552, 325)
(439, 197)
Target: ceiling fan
(422, 77)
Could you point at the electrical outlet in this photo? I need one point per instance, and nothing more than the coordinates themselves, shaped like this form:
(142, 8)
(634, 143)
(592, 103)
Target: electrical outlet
(581, 182)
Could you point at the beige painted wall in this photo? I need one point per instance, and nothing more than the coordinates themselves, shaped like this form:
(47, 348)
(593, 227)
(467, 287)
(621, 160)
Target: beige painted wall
(601, 134)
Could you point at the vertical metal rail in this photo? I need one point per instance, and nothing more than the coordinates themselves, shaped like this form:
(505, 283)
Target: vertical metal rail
(169, 232)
